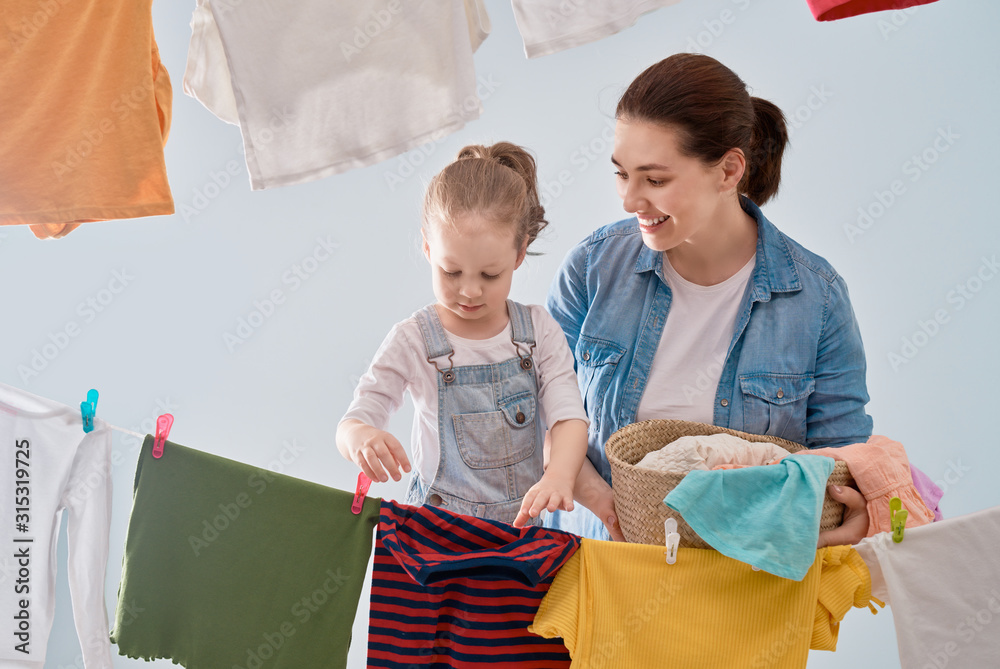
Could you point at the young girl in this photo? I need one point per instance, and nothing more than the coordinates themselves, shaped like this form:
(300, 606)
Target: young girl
(486, 374)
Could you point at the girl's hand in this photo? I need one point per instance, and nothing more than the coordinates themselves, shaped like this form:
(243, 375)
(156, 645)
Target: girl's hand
(549, 493)
(855, 525)
(376, 452)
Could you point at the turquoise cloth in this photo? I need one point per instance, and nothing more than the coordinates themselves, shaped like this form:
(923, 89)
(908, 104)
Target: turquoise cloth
(765, 516)
(228, 566)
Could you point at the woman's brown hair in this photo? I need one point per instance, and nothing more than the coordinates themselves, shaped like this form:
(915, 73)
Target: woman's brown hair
(709, 106)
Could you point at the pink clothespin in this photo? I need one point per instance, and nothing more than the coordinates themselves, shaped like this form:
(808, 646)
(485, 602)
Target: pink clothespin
(359, 493)
(163, 425)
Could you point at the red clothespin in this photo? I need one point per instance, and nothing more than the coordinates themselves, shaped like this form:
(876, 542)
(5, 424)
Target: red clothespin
(163, 425)
(359, 493)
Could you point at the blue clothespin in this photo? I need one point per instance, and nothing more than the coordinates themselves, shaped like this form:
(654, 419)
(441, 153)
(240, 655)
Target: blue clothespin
(897, 518)
(88, 409)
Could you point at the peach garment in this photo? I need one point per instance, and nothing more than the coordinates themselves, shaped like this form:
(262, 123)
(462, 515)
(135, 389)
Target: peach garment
(84, 115)
(881, 471)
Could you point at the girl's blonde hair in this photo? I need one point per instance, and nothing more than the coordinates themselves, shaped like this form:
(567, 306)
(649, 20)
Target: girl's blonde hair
(497, 182)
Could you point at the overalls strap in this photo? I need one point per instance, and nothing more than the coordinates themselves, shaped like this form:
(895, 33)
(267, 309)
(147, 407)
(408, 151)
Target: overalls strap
(435, 340)
(520, 323)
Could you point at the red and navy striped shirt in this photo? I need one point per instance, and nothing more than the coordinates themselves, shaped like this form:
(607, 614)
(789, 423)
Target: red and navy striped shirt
(450, 590)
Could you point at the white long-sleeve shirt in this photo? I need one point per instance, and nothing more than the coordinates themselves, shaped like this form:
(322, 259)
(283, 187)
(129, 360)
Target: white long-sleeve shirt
(47, 464)
(400, 365)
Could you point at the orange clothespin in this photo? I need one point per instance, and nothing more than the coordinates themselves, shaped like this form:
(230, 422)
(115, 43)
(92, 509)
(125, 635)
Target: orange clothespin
(163, 425)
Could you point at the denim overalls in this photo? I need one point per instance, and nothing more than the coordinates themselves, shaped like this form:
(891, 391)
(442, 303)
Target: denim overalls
(491, 437)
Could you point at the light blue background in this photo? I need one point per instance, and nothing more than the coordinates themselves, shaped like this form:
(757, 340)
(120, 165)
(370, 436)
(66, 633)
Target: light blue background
(890, 83)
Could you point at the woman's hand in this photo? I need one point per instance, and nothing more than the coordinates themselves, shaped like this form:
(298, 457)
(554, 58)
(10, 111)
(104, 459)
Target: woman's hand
(376, 452)
(593, 492)
(855, 525)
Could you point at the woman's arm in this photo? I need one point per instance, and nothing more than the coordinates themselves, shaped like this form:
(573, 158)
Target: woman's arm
(836, 413)
(593, 492)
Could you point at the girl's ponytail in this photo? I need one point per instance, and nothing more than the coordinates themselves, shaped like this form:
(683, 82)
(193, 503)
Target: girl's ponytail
(499, 182)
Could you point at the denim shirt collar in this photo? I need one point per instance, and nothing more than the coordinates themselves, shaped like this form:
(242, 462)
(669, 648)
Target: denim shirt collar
(774, 270)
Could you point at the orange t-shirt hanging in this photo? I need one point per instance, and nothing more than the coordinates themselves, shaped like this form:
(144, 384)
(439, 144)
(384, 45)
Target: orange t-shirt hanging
(84, 114)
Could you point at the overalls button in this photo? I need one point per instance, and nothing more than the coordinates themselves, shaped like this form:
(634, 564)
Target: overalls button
(519, 417)
(448, 376)
(586, 356)
(526, 363)
(434, 499)
(724, 403)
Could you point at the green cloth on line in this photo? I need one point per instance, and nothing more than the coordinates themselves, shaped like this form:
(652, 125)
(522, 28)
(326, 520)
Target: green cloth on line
(228, 566)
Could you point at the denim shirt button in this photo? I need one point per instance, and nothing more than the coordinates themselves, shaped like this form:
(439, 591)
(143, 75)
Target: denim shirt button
(586, 356)
(519, 417)
(435, 499)
(724, 403)
(781, 393)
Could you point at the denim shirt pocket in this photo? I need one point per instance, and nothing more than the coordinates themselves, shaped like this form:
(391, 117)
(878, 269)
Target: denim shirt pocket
(776, 404)
(596, 360)
(493, 439)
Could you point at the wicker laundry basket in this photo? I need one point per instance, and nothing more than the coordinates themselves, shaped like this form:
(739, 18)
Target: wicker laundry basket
(639, 492)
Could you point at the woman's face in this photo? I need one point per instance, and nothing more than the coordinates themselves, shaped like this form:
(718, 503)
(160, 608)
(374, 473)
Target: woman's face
(674, 196)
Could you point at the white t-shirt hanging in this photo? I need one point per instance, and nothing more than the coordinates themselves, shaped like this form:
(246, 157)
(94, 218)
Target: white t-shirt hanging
(548, 26)
(688, 362)
(47, 464)
(319, 88)
(942, 584)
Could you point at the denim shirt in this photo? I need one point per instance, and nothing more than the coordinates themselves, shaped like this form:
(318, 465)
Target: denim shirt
(795, 367)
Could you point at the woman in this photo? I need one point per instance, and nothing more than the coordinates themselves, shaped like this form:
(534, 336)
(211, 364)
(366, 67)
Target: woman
(698, 308)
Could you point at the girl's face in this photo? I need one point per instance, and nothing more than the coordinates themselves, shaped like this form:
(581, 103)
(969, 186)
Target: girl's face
(674, 196)
(472, 264)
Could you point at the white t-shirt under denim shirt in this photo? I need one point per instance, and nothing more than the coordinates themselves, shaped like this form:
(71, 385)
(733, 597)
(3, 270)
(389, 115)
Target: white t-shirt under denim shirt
(400, 365)
(687, 365)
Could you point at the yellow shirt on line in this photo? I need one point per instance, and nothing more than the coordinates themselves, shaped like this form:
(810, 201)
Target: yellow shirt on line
(620, 606)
